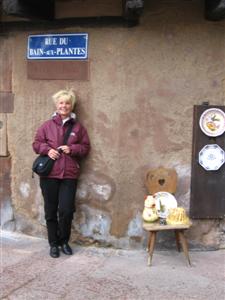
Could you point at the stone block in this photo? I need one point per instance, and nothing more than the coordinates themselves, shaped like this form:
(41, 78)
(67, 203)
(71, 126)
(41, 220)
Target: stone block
(5, 191)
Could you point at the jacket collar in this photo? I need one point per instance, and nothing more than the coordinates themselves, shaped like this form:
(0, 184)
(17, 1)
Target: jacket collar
(56, 117)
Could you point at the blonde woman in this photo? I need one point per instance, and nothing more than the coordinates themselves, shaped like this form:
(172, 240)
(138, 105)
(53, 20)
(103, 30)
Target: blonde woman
(59, 187)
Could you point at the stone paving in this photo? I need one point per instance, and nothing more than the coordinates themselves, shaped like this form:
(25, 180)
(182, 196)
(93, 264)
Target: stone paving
(28, 272)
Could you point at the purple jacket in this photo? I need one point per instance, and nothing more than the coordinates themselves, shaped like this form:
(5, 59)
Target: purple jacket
(50, 135)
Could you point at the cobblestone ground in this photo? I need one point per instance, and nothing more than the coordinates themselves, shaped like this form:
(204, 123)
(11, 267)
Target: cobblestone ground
(28, 272)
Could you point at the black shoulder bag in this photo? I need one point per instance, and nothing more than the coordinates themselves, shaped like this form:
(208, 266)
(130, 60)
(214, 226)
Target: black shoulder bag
(43, 164)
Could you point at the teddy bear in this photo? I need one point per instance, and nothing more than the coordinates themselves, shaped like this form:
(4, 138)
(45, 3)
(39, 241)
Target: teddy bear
(149, 213)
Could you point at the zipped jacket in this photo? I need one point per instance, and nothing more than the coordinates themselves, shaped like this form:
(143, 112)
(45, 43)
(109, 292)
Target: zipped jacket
(50, 135)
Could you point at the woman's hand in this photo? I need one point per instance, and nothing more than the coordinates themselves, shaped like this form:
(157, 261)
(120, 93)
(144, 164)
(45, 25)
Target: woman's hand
(53, 154)
(65, 149)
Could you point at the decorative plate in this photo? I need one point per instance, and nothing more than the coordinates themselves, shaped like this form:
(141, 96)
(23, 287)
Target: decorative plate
(211, 157)
(212, 122)
(164, 201)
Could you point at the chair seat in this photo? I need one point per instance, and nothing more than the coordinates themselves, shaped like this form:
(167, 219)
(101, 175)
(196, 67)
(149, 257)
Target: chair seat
(158, 227)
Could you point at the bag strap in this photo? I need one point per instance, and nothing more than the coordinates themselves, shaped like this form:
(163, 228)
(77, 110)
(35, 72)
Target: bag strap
(65, 139)
(67, 134)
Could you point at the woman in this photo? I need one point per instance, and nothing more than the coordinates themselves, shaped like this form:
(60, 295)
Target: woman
(59, 187)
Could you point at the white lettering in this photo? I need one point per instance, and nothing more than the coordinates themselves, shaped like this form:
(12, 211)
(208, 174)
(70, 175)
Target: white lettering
(50, 41)
(50, 52)
(63, 41)
(59, 51)
(81, 51)
(70, 51)
(36, 52)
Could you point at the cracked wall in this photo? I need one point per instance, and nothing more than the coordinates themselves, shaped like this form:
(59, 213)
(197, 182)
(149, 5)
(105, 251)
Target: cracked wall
(137, 107)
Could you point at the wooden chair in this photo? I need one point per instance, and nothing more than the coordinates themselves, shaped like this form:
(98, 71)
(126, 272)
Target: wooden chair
(165, 180)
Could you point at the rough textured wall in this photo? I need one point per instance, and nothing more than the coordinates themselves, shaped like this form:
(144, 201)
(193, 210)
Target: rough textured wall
(6, 210)
(137, 108)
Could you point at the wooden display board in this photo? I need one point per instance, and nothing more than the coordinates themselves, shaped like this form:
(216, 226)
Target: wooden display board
(207, 187)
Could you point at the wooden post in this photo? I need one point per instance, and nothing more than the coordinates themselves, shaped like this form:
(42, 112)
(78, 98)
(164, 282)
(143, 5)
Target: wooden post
(3, 135)
(152, 245)
(184, 245)
(177, 240)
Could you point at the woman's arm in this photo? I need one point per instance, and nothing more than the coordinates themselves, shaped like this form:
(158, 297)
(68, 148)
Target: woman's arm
(40, 145)
(82, 147)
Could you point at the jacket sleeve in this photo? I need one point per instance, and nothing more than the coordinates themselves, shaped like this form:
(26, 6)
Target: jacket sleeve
(40, 145)
(82, 147)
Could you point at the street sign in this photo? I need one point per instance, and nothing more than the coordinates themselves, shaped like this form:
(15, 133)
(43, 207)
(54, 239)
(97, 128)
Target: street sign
(58, 46)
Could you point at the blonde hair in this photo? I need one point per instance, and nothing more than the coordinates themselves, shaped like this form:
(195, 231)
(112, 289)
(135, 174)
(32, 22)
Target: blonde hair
(67, 95)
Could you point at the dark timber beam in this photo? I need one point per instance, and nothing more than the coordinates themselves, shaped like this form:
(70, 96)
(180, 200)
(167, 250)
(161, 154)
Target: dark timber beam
(31, 9)
(132, 10)
(215, 10)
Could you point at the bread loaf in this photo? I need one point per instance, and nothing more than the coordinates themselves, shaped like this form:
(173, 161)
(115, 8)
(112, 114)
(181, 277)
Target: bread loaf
(177, 216)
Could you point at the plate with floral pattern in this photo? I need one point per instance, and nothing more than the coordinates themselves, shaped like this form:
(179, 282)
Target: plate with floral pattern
(164, 201)
(212, 122)
(211, 157)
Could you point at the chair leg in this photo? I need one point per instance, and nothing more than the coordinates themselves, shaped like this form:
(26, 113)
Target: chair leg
(184, 245)
(149, 241)
(177, 240)
(152, 240)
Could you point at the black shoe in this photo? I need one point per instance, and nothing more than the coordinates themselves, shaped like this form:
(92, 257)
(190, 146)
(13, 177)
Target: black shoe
(54, 251)
(66, 249)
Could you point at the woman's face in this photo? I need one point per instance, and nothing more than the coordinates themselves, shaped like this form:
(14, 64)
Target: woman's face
(64, 108)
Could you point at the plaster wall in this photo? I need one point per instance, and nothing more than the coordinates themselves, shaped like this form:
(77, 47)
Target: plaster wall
(137, 107)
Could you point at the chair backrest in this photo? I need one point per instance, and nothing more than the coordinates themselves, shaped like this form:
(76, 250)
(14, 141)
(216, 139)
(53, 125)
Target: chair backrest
(161, 180)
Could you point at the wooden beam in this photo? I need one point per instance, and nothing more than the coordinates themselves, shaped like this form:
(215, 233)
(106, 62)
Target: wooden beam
(132, 10)
(215, 10)
(31, 9)
(3, 135)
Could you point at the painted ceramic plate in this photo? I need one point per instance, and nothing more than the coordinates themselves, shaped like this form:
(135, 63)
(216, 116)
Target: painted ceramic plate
(212, 122)
(164, 201)
(211, 157)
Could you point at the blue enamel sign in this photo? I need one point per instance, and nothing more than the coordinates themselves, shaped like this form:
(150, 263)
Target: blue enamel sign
(58, 46)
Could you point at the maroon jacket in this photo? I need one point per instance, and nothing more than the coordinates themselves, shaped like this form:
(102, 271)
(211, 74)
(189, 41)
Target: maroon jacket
(50, 135)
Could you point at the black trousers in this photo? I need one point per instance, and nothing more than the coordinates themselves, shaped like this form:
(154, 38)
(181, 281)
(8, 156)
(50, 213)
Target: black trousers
(59, 206)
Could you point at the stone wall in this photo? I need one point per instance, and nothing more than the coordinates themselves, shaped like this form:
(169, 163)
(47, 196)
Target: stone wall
(137, 107)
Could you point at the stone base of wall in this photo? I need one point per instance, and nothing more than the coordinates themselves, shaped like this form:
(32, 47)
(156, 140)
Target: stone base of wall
(6, 217)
